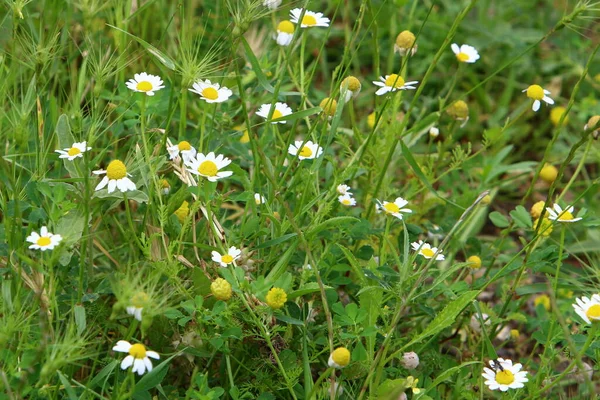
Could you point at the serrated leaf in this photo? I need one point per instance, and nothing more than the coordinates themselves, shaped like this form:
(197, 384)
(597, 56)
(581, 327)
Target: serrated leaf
(499, 220)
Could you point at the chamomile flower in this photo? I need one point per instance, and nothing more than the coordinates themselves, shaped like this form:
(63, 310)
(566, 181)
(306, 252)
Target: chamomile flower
(556, 213)
(426, 250)
(209, 166)
(74, 151)
(145, 83)
(343, 189)
(138, 302)
(538, 94)
(504, 375)
(395, 209)
(211, 92)
(272, 4)
(281, 110)
(347, 200)
(329, 107)
(588, 310)
(591, 124)
(310, 19)
(259, 199)
(44, 240)
(116, 177)
(183, 148)
(465, 53)
(405, 43)
(393, 82)
(305, 151)
(285, 33)
(350, 87)
(339, 358)
(224, 259)
(434, 132)
(138, 356)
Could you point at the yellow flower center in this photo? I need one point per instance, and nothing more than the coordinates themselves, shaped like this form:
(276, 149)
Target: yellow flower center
(139, 300)
(305, 152)
(287, 26)
(210, 93)
(165, 184)
(391, 208)
(505, 377)
(116, 170)
(208, 168)
(144, 86)
(226, 258)
(73, 151)
(565, 216)
(341, 356)
(535, 92)
(405, 40)
(593, 312)
(309, 20)
(138, 351)
(462, 57)
(394, 81)
(277, 114)
(184, 146)
(346, 202)
(427, 252)
(352, 82)
(43, 241)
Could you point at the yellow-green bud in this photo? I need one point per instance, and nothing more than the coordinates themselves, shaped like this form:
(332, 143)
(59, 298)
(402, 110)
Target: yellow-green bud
(221, 289)
(276, 298)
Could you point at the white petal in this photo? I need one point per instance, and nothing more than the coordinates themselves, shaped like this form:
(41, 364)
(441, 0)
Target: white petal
(102, 183)
(112, 184)
(153, 354)
(122, 346)
(536, 105)
(126, 363)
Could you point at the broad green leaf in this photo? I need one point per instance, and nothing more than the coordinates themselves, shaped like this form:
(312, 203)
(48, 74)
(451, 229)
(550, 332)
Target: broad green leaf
(521, 217)
(154, 377)
(162, 57)
(499, 220)
(288, 320)
(67, 385)
(103, 374)
(80, 320)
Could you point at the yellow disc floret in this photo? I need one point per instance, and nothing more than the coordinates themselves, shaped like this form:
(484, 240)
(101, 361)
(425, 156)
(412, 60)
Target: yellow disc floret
(138, 351)
(183, 211)
(341, 356)
(545, 229)
(353, 84)
(427, 253)
(227, 259)
(208, 168)
(116, 170)
(405, 40)
(505, 377)
(544, 300)
(593, 313)
(144, 86)
(221, 289)
(73, 151)
(140, 299)
(285, 27)
(394, 81)
(43, 241)
(305, 152)
(277, 114)
(549, 173)
(474, 262)
(535, 92)
(458, 110)
(537, 209)
(371, 120)
(329, 106)
(391, 208)
(210, 93)
(462, 57)
(556, 114)
(276, 298)
(309, 20)
(183, 145)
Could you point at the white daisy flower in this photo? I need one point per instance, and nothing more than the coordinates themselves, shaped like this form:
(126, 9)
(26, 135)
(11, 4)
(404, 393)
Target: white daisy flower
(426, 250)
(285, 33)
(556, 213)
(343, 189)
(588, 310)
(504, 375)
(310, 18)
(281, 110)
(184, 148)
(138, 301)
(211, 92)
(259, 199)
(347, 200)
(394, 208)
(116, 177)
(44, 240)
(339, 358)
(209, 166)
(232, 254)
(138, 356)
(393, 82)
(305, 151)
(74, 151)
(538, 94)
(465, 53)
(272, 4)
(434, 132)
(350, 87)
(145, 83)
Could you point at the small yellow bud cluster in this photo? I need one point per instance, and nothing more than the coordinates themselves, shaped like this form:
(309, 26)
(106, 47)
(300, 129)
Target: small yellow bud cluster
(276, 298)
(221, 289)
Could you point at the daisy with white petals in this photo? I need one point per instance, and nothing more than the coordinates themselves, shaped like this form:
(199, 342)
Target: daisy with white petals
(211, 92)
(465, 53)
(588, 310)
(309, 19)
(74, 151)
(538, 94)
(44, 240)
(232, 254)
(556, 213)
(145, 83)
(426, 250)
(116, 177)
(209, 166)
(259, 199)
(281, 110)
(343, 189)
(393, 82)
(504, 375)
(183, 148)
(285, 33)
(138, 356)
(272, 4)
(305, 151)
(137, 304)
(347, 200)
(395, 209)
